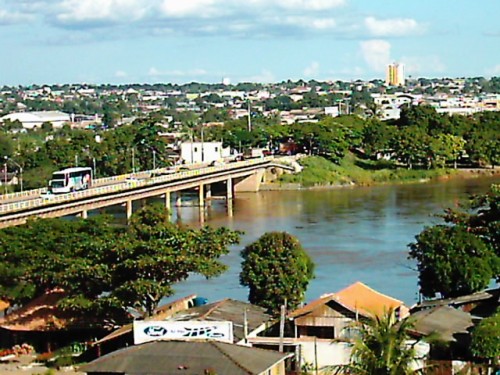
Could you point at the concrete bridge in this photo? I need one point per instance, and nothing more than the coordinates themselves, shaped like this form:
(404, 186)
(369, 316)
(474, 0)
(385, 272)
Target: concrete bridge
(228, 179)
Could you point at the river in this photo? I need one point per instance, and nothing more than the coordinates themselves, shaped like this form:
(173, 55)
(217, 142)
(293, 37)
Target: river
(351, 233)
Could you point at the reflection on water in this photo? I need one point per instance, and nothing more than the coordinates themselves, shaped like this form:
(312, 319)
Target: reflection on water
(351, 234)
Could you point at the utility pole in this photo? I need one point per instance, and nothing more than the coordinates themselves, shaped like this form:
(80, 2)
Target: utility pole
(5, 177)
(154, 159)
(133, 160)
(249, 117)
(282, 326)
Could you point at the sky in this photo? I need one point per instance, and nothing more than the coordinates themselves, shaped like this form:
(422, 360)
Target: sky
(180, 41)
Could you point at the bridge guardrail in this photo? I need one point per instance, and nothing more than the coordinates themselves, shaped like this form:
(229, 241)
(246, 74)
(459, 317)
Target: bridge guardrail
(96, 191)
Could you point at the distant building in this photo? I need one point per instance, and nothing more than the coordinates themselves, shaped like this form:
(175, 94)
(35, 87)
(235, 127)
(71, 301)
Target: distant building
(203, 152)
(31, 120)
(395, 75)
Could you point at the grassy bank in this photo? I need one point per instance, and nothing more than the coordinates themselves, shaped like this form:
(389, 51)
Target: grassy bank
(353, 171)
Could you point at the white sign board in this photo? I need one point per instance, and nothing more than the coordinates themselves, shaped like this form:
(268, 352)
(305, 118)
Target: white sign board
(149, 330)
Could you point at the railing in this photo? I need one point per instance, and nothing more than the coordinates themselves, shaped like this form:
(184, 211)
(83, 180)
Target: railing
(127, 185)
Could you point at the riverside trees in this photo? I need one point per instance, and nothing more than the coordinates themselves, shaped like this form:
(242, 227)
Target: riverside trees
(463, 256)
(276, 269)
(105, 270)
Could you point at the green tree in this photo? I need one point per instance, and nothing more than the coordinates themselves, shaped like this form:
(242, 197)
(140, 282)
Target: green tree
(453, 261)
(276, 268)
(105, 270)
(486, 338)
(382, 348)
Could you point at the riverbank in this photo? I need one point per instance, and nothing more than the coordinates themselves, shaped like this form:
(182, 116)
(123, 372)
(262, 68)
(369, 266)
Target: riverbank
(319, 173)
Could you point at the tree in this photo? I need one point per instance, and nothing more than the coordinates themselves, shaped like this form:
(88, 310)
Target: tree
(382, 348)
(486, 338)
(106, 271)
(453, 261)
(276, 268)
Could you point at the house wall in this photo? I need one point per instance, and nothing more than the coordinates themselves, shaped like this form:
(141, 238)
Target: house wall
(325, 352)
(324, 316)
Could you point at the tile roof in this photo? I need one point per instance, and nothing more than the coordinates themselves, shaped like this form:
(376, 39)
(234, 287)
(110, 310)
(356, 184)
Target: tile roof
(186, 357)
(4, 305)
(357, 297)
(365, 300)
(41, 314)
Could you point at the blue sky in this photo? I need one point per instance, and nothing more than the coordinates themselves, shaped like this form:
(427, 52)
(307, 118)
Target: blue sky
(126, 41)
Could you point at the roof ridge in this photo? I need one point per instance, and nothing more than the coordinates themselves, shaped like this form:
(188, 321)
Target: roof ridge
(371, 289)
(212, 309)
(219, 347)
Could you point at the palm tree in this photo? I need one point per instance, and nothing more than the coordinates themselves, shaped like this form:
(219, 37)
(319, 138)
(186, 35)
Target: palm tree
(383, 347)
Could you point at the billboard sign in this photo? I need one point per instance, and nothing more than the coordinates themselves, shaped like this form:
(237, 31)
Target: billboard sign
(150, 330)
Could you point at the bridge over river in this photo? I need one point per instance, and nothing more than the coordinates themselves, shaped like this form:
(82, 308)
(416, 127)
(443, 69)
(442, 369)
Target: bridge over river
(226, 179)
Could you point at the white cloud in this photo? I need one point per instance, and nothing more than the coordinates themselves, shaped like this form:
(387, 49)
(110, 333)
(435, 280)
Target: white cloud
(304, 22)
(9, 18)
(392, 27)
(376, 53)
(190, 8)
(312, 70)
(100, 10)
(417, 65)
(316, 5)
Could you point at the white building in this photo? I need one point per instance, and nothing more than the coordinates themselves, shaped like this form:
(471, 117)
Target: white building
(31, 120)
(203, 152)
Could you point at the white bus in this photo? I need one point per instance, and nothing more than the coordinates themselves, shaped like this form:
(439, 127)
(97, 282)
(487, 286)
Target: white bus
(70, 179)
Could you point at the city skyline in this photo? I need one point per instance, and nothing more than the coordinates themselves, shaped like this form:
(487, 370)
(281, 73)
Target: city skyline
(126, 41)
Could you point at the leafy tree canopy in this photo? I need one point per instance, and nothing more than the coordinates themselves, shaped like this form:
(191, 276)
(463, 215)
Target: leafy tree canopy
(105, 270)
(276, 268)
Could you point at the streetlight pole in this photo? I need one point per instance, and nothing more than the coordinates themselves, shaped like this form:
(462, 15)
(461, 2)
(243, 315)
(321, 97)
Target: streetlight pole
(7, 159)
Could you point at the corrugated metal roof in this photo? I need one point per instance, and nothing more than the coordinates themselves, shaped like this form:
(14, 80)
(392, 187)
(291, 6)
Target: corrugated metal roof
(186, 357)
(444, 321)
(228, 310)
(461, 300)
(162, 313)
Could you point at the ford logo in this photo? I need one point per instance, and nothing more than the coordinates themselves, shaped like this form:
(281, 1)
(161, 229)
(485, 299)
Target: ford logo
(155, 331)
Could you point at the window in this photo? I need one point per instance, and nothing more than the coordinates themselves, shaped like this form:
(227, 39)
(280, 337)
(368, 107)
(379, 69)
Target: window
(321, 332)
(196, 149)
(216, 149)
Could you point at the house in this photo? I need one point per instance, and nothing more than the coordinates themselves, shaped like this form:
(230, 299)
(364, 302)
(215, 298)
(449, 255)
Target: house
(189, 357)
(44, 325)
(449, 328)
(123, 336)
(321, 332)
(248, 320)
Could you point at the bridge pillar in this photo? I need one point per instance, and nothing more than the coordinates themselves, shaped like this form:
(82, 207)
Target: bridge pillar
(201, 196)
(229, 184)
(250, 183)
(178, 199)
(167, 201)
(230, 203)
(129, 209)
(84, 214)
(208, 194)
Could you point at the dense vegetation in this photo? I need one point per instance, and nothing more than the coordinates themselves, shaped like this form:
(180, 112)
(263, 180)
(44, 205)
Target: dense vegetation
(104, 270)
(421, 139)
(463, 255)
